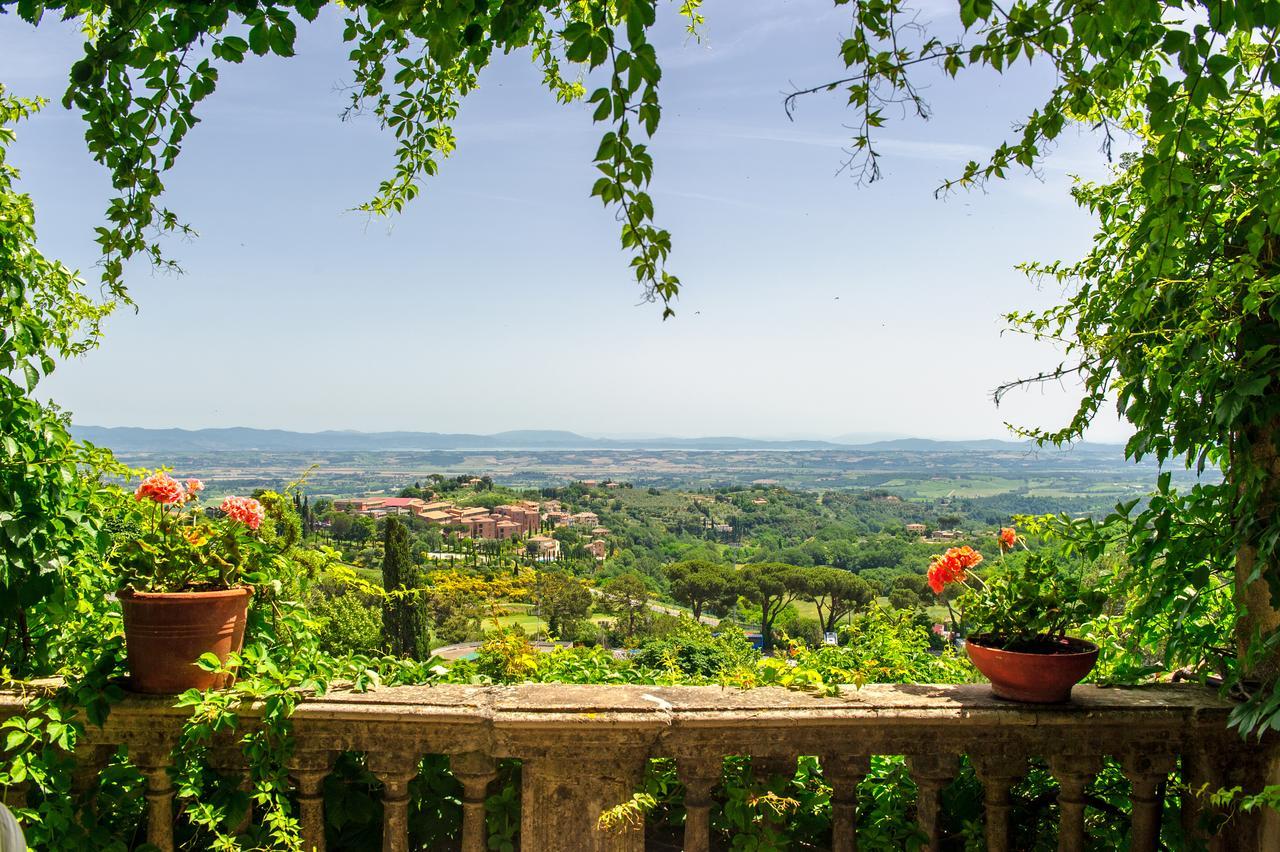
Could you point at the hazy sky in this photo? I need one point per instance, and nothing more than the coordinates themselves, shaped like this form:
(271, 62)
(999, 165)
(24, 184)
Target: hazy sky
(501, 299)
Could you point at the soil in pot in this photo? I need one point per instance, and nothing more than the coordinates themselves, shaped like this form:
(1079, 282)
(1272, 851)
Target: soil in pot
(166, 632)
(1040, 672)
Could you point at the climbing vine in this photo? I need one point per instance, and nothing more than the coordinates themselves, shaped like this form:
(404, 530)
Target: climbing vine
(147, 67)
(1173, 315)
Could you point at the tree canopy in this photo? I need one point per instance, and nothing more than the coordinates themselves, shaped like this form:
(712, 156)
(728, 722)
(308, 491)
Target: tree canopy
(698, 584)
(772, 586)
(404, 613)
(147, 68)
(1173, 313)
(563, 601)
(627, 596)
(835, 593)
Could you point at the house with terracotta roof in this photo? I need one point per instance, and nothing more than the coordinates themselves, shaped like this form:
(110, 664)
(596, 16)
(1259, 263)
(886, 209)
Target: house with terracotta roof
(480, 526)
(548, 547)
(357, 505)
(378, 506)
(437, 517)
(528, 519)
(504, 522)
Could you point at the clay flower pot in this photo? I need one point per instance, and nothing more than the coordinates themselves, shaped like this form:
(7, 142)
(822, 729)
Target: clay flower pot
(166, 632)
(1040, 674)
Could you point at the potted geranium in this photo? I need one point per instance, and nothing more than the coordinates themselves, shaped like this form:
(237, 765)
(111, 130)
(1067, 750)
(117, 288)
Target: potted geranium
(1017, 617)
(186, 579)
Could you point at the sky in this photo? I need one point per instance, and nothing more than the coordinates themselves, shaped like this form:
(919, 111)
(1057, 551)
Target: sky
(811, 306)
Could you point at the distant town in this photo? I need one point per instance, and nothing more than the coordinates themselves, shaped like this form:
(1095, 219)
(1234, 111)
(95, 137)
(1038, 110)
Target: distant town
(528, 519)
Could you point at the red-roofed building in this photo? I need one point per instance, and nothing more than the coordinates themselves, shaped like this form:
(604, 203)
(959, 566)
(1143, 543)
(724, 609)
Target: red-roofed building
(381, 505)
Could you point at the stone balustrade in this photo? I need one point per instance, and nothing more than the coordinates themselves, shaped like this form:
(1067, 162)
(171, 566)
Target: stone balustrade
(583, 750)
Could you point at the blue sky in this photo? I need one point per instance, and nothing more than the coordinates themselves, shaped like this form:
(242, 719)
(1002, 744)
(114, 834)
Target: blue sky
(501, 300)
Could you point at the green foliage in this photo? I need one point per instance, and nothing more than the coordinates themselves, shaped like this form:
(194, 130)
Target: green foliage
(763, 812)
(146, 72)
(175, 547)
(564, 602)
(694, 653)
(698, 584)
(1174, 313)
(836, 593)
(346, 623)
(1162, 614)
(50, 520)
(900, 598)
(884, 645)
(404, 613)
(771, 586)
(627, 596)
(1019, 603)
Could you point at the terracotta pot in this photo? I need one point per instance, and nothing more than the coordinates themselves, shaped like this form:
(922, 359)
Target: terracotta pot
(1043, 675)
(166, 632)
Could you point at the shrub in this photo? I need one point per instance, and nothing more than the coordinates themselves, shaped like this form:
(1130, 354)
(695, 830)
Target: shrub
(348, 623)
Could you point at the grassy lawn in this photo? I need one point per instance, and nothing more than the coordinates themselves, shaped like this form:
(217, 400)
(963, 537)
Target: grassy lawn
(527, 623)
(518, 614)
(369, 575)
(805, 609)
(975, 486)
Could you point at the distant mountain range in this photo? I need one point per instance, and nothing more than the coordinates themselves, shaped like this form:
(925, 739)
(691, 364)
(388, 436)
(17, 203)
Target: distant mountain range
(130, 439)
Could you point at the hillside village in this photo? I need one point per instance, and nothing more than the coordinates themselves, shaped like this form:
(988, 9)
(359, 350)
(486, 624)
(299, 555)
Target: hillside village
(525, 519)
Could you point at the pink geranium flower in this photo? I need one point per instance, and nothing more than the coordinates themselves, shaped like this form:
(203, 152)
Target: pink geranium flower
(245, 510)
(160, 488)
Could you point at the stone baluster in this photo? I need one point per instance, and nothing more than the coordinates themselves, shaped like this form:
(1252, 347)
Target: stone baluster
(229, 760)
(475, 771)
(932, 772)
(1252, 770)
(844, 773)
(767, 766)
(699, 775)
(1147, 772)
(89, 762)
(998, 772)
(1197, 773)
(308, 768)
(395, 770)
(1210, 765)
(1074, 772)
(153, 763)
(563, 794)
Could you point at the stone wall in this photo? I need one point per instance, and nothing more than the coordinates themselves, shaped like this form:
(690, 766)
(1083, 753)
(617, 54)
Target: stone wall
(583, 749)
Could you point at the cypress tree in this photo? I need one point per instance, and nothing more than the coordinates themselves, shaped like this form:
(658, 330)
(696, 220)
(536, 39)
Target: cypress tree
(404, 617)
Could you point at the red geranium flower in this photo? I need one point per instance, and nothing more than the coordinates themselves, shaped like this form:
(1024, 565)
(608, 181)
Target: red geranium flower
(1008, 538)
(950, 567)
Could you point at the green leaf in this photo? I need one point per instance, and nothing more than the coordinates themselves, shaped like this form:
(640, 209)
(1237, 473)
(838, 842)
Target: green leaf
(209, 662)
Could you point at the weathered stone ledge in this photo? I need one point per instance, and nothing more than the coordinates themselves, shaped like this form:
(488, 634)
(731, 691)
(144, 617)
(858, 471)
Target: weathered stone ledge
(584, 748)
(926, 701)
